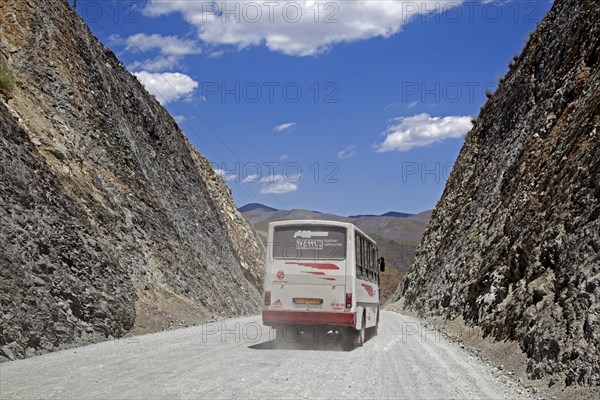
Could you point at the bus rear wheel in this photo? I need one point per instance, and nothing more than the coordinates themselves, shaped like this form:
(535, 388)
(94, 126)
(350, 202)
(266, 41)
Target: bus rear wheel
(360, 335)
(373, 330)
(279, 335)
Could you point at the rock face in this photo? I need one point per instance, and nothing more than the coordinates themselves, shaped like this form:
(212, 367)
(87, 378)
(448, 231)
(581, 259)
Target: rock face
(111, 221)
(513, 245)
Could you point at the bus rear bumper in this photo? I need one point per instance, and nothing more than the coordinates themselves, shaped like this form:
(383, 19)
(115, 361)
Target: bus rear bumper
(272, 317)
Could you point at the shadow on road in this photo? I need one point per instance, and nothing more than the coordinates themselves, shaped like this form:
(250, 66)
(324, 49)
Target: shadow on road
(306, 341)
(302, 345)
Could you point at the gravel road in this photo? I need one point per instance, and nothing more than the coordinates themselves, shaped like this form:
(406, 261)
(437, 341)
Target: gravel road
(235, 359)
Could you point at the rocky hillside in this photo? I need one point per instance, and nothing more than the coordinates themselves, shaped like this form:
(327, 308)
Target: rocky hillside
(513, 245)
(111, 221)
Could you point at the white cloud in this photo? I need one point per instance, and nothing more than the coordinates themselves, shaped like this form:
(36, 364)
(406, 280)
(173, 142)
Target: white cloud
(279, 184)
(284, 127)
(225, 176)
(167, 86)
(115, 39)
(167, 45)
(253, 178)
(179, 119)
(347, 152)
(283, 157)
(297, 28)
(155, 64)
(422, 130)
(216, 54)
(171, 50)
(398, 105)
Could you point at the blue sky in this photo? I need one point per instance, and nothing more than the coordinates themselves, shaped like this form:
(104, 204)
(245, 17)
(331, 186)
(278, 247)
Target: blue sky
(350, 107)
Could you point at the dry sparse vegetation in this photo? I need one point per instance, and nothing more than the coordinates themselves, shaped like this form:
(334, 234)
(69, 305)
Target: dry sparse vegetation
(7, 79)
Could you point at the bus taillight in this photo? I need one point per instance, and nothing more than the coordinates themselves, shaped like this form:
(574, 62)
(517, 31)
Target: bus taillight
(267, 298)
(348, 300)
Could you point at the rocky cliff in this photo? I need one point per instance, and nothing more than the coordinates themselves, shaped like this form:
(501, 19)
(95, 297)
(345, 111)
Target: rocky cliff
(514, 243)
(111, 221)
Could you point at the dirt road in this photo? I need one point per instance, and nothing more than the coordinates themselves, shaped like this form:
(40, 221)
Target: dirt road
(235, 359)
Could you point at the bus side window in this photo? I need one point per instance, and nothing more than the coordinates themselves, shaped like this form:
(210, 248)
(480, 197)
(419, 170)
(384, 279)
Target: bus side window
(375, 266)
(363, 258)
(373, 262)
(366, 258)
(371, 265)
(357, 257)
(363, 264)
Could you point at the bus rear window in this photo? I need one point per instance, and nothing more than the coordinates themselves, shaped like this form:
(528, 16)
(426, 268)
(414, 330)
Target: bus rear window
(309, 242)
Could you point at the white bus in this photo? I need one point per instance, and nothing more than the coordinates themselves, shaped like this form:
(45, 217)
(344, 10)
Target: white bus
(322, 274)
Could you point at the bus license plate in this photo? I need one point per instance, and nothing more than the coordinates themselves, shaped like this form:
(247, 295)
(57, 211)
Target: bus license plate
(307, 300)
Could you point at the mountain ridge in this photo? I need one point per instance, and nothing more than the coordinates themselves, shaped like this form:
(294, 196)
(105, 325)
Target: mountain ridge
(259, 206)
(387, 214)
(391, 225)
(256, 206)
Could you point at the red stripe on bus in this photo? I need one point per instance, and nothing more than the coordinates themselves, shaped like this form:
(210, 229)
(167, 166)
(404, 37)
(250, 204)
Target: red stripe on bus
(329, 279)
(369, 289)
(314, 272)
(315, 265)
(307, 317)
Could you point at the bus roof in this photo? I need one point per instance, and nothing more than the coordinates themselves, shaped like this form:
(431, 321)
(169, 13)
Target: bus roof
(346, 225)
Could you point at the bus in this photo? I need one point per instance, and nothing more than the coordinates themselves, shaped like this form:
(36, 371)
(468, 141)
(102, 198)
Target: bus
(321, 275)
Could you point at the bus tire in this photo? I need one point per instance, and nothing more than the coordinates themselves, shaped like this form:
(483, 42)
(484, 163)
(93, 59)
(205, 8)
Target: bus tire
(360, 335)
(375, 328)
(279, 332)
(372, 331)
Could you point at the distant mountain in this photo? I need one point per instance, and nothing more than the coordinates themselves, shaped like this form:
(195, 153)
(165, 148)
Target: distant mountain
(387, 214)
(392, 225)
(256, 206)
(396, 214)
(257, 213)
